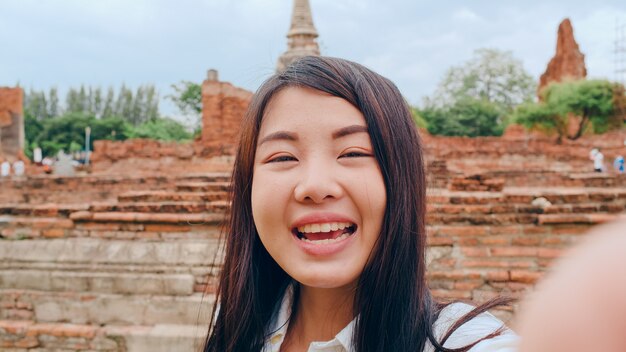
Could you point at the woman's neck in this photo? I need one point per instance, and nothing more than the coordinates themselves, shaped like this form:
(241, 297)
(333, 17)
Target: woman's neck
(320, 314)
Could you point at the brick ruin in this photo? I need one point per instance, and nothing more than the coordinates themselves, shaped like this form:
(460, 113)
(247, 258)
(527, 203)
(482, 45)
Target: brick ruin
(223, 107)
(568, 63)
(11, 123)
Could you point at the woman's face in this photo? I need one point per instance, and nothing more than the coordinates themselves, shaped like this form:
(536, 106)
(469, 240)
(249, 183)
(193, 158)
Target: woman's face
(318, 196)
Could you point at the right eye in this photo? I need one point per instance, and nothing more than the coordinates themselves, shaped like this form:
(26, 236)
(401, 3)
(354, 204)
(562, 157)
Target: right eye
(282, 158)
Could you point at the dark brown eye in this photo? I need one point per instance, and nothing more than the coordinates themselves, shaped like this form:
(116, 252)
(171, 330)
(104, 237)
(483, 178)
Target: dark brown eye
(354, 155)
(282, 158)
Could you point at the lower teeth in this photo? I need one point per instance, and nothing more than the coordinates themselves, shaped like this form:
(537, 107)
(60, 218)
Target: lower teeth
(329, 240)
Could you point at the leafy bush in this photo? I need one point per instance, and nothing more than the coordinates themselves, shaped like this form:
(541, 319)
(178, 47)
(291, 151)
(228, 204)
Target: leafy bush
(592, 105)
(466, 117)
(163, 129)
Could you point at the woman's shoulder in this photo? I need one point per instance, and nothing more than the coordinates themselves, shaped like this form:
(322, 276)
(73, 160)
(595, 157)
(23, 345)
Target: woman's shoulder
(473, 330)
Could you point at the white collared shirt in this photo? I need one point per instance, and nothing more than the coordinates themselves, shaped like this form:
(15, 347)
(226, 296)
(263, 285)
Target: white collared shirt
(475, 329)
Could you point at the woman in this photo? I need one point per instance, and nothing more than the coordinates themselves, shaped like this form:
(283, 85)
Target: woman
(325, 250)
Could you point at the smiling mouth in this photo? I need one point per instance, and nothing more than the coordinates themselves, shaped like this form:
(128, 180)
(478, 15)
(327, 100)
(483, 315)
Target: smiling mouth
(325, 233)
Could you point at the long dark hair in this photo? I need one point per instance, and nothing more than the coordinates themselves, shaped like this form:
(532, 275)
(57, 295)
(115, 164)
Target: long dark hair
(393, 304)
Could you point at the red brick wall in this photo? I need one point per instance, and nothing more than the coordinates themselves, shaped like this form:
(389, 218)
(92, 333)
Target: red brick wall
(223, 107)
(11, 123)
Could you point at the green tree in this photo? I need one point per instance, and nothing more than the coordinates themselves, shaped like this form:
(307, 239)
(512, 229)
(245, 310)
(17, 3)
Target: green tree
(112, 128)
(586, 105)
(108, 109)
(73, 104)
(490, 75)
(67, 132)
(187, 97)
(151, 109)
(163, 129)
(35, 104)
(126, 105)
(32, 129)
(466, 117)
(53, 103)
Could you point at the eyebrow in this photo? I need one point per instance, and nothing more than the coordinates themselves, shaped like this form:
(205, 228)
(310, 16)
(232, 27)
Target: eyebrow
(280, 135)
(290, 136)
(342, 132)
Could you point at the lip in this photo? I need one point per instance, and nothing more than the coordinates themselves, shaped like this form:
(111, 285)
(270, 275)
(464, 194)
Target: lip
(325, 249)
(319, 218)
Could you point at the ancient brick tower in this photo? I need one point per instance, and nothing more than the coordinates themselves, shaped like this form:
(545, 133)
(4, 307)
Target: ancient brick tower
(11, 123)
(301, 36)
(568, 63)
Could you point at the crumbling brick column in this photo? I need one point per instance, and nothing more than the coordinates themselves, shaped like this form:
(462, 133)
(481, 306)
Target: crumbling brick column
(11, 122)
(223, 107)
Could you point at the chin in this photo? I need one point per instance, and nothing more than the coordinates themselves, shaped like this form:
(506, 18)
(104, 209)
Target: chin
(327, 278)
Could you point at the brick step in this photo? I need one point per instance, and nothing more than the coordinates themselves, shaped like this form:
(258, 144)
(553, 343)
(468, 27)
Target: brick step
(102, 282)
(203, 186)
(104, 308)
(115, 225)
(87, 188)
(141, 217)
(507, 208)
(52, 337)
(103, 251)
(167, 196)
(599, 179)
(218, 206)
(42, 210)
(517, 219)
(525, 196)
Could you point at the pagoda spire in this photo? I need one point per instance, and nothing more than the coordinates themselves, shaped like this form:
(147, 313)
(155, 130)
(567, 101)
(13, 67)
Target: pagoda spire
(301, 38)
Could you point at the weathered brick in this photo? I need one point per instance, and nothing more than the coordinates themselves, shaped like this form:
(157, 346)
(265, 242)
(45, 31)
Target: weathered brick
(497, 263)
(514, 251)
(526, 241)
(167, 228)
(475, 252)
(495, 240)
(26, 342)
(498, 275)
(463, 230)
(525, 276)
(439, 241)
(53, 233)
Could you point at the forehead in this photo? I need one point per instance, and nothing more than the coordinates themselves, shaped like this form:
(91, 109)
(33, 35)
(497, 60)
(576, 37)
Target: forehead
(296, 108)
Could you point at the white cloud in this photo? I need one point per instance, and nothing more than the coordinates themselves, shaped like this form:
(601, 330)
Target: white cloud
(466, 15)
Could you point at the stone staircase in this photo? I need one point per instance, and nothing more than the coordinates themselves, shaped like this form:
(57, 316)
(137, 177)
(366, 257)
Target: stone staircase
(136, 271)
(482, 244)
(135, 274)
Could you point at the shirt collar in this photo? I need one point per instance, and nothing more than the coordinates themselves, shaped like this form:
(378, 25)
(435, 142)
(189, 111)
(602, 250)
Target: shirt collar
(280, 324)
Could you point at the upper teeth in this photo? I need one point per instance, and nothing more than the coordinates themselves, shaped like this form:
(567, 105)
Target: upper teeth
(325, 227)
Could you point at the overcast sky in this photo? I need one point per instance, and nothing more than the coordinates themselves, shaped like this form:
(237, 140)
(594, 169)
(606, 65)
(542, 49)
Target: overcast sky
(66, 43)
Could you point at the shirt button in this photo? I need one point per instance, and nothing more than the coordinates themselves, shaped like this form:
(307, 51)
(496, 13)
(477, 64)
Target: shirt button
(275, 339)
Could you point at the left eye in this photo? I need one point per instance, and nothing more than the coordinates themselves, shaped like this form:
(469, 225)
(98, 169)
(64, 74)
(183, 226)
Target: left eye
(282, 158)
(354, 155)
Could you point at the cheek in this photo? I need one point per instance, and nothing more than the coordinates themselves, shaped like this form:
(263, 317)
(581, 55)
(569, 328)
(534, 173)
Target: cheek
(268, 200)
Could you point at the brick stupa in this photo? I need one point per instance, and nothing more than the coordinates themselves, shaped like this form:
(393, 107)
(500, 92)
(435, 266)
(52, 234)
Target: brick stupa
(301, 38)
(568, 63)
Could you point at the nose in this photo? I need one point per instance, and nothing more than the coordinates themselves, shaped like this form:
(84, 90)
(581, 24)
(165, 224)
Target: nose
(317, 183)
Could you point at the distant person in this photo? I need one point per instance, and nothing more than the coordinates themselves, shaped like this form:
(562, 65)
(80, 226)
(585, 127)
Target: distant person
(37, 156)
(598, 159)
(47, 165)
(18, 168)
(581, 304)
(618, 164)
(5, 168)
